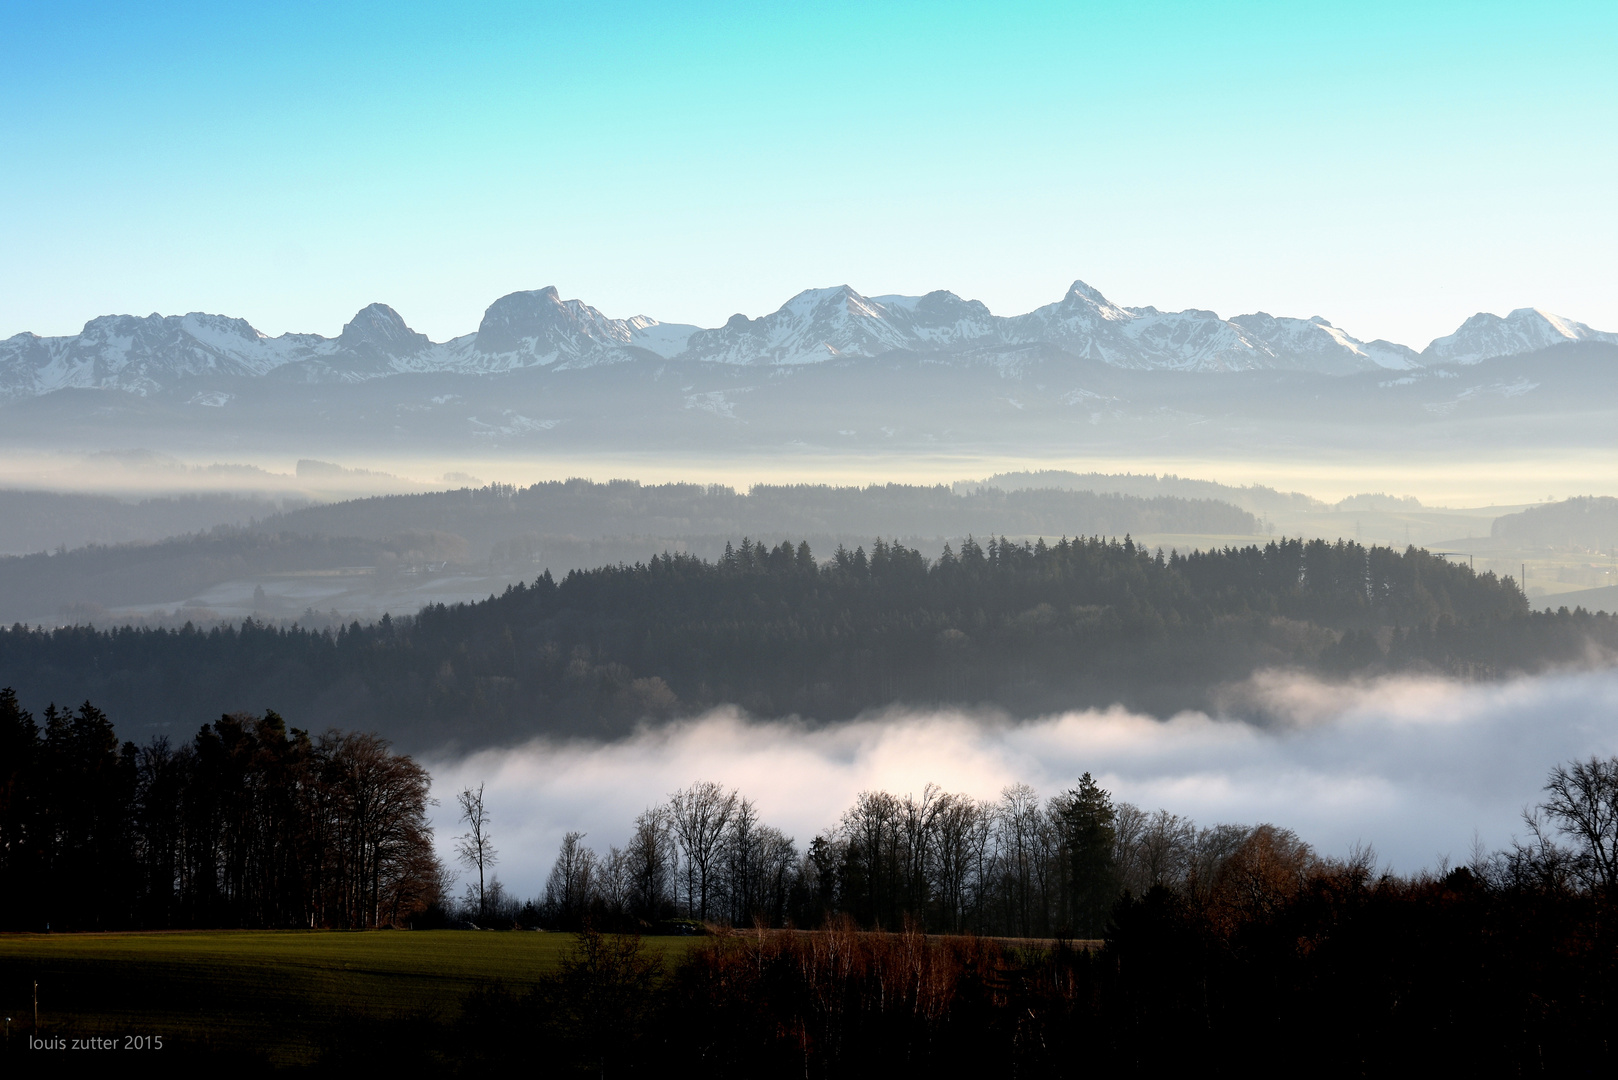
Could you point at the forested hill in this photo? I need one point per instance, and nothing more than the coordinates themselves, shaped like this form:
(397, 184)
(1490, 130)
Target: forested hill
(1589, 522)
(498, 513)
(1025, 627)
(509, 533)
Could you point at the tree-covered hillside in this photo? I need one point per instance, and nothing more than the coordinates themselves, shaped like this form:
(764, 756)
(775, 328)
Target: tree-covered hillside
(510, 533)
(1589, 522)
(499, 514)
(1023, 627)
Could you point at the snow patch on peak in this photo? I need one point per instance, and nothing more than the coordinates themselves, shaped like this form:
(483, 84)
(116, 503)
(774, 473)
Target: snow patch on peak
(819, 324)
(1314, 344)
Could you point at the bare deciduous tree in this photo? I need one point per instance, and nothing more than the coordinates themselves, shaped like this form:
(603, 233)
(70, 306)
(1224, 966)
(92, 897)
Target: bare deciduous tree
(956, 826)
(918, 822)
(568, 889)
(871, 827)
(701, 815)
(653, 863)
(1262, 875)
(1214, 845)
(475, 847)
(614, 880)
(1583, 805)
(744, 855)
(1022, 819)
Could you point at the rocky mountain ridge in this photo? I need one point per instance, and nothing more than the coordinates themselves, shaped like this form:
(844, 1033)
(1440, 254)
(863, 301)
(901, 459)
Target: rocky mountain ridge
(538, 329)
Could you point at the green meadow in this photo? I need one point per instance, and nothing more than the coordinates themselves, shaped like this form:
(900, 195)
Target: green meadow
(273, 996)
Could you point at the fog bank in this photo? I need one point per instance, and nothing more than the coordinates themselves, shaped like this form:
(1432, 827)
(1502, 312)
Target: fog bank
(1415, 766)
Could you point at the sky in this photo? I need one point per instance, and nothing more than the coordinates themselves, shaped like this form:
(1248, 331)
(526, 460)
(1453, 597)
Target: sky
(1393, 167)
(1422, 769)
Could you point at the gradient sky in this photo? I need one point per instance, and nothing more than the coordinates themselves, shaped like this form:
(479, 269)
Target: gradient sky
(1394, 167)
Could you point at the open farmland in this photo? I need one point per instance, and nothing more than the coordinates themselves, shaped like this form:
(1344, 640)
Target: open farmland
(275, 997)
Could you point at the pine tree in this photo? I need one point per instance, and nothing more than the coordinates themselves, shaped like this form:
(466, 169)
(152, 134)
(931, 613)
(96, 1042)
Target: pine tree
(1089, 819)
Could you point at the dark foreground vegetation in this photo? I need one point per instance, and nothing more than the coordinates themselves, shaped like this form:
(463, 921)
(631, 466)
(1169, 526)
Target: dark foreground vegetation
(248, 824)
(1336, 970)
(1332, 969)
(1262, 958)
(1025, 627)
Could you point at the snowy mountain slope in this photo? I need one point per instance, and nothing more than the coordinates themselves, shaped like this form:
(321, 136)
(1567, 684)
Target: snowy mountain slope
(815, 325)
(538, 329)
(819, 324)
(154, 354)
(1195, 340)
(1083, 323)
(1316, 345)
(1485, 336)
(940, 320)
(126, 352)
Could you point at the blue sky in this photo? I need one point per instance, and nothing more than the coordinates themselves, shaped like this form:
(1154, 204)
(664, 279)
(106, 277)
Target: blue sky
(1394, 167)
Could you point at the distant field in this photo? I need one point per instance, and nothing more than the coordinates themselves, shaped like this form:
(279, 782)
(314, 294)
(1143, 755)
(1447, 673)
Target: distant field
(269, 995)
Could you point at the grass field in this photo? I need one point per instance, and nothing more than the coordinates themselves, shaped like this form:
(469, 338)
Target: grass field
(276, 996)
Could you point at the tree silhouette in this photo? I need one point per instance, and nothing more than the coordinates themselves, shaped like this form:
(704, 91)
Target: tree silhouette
(475, 847)
(1583, 804)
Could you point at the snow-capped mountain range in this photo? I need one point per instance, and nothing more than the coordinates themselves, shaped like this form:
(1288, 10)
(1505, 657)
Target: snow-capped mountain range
(538, 329)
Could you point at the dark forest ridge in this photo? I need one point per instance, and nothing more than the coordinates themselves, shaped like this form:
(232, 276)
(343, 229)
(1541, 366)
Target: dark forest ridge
(1023, 627)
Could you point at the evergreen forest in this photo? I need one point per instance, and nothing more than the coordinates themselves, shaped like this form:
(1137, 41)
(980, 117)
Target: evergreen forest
(1023, 627)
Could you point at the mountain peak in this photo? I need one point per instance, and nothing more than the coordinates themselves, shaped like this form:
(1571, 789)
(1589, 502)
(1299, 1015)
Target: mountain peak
(516, 318)
(1083, 291)
(1527, 329)
(538, 327)
(378, 330)
(812, 297)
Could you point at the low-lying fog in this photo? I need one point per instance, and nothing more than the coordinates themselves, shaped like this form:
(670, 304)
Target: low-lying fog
(1477, 478)
(1418, 767)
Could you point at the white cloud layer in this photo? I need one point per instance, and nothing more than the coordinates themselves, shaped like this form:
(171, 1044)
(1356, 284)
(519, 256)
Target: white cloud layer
(1416, 766)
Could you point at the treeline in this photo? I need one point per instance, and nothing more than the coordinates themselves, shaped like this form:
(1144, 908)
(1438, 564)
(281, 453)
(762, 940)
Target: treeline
(1257, 497)
(1026, 627)
(1016, 866)
(249, 824)
(498, 513)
